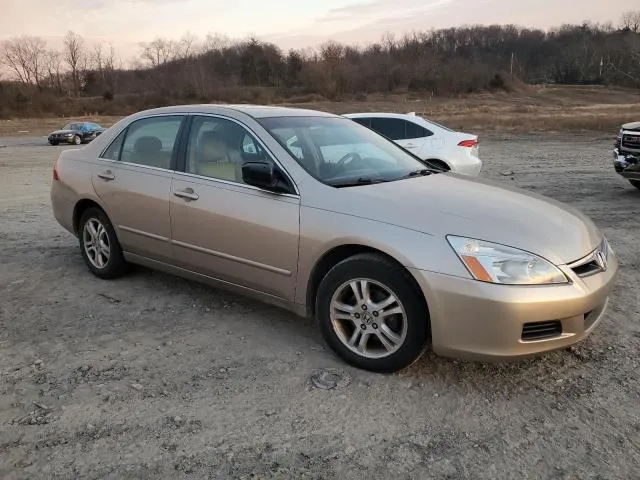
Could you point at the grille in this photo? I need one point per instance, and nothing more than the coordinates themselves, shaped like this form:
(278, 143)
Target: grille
(591, 264)
(631, 141)
(541, 330)
(587, 269)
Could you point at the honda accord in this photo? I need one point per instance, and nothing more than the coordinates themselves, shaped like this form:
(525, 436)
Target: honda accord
(325, 217)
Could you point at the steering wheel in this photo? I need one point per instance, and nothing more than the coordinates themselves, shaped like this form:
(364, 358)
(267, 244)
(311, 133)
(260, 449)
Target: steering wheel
(347, 159)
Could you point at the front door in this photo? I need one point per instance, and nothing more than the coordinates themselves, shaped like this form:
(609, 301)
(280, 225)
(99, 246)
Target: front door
(133, 180)
(226, 229)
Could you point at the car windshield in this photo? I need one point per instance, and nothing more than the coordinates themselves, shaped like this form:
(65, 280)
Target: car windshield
(72, 126)
(340, 152)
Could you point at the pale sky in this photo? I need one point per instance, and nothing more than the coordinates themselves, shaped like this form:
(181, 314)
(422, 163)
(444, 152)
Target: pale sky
(288, 23)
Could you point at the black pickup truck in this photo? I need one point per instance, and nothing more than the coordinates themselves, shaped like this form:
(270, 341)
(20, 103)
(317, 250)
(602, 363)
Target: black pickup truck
(626, 154)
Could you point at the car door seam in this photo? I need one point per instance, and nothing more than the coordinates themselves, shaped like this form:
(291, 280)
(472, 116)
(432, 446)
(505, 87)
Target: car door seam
(233, 258)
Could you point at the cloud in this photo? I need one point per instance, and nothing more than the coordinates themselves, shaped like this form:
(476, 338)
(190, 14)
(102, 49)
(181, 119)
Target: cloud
(364, 21)
(378, 8)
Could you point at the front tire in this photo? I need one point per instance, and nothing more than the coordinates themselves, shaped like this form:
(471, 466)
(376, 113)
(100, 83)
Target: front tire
(99, 245)
(635, 183)
(77, 140)
(371, 315)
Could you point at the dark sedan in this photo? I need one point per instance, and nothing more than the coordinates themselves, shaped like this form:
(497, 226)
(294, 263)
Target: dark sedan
(76, 133)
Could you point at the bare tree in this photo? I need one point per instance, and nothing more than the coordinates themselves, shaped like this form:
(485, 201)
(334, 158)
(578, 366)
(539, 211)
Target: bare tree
(631, 21)
(75, 57)
(216, 42)
(187, 46)
(25, 57)
(96, 59)
(109, 68)
(14, 58)
(53, 66)
(159, 52)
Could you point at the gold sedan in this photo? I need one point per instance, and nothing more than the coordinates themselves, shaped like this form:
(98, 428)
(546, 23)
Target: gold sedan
(322, 216)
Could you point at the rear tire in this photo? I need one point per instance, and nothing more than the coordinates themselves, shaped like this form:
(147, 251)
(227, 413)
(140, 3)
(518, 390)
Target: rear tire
(635, 183)
(371, 315)
(99, 245)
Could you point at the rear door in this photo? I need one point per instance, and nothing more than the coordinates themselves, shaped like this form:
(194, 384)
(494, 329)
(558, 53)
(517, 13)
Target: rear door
(224, 228)
(133, 180)
(406, 134)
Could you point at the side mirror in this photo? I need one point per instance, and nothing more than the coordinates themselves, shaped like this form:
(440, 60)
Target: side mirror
(262, 175)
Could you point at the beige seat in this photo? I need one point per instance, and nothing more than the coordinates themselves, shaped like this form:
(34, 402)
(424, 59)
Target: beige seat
(214, 158)
(147, 150)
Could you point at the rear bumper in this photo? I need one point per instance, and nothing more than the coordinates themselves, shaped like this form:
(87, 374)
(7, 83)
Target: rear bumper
(480, 321)
(466, 164)
(63, 205)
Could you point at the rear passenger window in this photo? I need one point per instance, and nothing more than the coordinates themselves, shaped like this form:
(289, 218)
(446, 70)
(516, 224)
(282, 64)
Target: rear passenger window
(392, 128)
(151, 141)
(113, 151)
(413, 130)
(363, 121)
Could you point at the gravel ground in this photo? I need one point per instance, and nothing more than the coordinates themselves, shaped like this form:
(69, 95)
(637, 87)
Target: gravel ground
(152, 376)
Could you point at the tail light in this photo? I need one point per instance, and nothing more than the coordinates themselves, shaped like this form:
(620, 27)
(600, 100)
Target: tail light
(468, 143)
(56, 177)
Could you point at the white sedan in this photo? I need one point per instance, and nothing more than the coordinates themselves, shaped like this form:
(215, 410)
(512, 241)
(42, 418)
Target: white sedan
(427, 140)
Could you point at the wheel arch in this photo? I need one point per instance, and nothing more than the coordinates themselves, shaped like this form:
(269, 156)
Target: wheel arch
(336, 255)
(81, 206)
(439, 162)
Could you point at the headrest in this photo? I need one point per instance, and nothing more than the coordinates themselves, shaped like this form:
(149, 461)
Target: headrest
(212, 148)
(148, 145)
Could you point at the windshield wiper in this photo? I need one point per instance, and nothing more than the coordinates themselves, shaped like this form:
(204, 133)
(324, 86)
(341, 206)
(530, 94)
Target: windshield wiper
(422, 173)
(418, 173)
(359, 181)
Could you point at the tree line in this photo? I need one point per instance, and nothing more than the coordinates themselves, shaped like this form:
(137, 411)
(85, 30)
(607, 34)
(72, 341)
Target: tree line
(437, 62)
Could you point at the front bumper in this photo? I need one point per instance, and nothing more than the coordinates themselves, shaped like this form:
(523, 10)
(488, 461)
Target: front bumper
(61, 139)
(627, 164)
(481, 321)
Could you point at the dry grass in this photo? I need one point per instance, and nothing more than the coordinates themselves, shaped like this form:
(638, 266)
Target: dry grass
(544, 108)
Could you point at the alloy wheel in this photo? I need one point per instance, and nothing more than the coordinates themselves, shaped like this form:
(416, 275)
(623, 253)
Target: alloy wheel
(368, 318)
(96, 243)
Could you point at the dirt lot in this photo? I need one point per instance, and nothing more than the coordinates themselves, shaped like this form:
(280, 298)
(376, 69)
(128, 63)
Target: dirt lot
(152, 376)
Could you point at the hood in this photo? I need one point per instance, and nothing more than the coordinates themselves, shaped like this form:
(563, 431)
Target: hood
(445, 204)
(633, 126)
(62, 132)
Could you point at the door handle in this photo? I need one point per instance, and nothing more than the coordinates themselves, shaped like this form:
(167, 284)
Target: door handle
(107, 175)
(187, 194)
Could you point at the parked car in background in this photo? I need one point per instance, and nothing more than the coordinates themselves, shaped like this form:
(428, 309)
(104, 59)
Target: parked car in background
(427, 140)
(318, 214)
(626, 154)
(76, 133)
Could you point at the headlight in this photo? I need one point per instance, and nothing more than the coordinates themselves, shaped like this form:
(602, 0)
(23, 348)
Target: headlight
(69, 134)
(495, 263)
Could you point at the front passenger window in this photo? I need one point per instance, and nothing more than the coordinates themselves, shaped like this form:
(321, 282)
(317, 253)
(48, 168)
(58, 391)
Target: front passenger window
(218, 148)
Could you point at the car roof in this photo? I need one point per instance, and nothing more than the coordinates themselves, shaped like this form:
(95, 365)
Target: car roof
(255, 111)
(382, 115)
